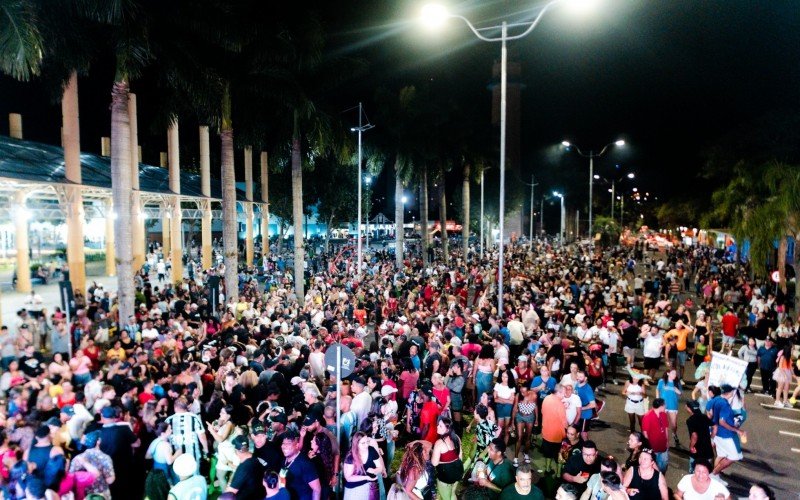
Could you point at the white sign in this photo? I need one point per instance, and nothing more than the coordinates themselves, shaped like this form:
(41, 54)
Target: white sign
(726, 369)
(776, 276)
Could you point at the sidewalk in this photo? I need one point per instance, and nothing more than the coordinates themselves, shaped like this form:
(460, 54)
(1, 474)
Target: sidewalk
(13, 301)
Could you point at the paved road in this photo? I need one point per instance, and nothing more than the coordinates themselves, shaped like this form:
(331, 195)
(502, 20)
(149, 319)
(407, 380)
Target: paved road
(771, 453)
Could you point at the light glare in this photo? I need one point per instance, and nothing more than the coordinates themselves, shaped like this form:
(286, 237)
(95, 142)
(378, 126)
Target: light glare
(566, 144)
(620, 142)
(434, 15)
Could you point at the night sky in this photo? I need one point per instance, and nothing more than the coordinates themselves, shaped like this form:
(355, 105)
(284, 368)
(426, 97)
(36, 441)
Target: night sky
(673, 78)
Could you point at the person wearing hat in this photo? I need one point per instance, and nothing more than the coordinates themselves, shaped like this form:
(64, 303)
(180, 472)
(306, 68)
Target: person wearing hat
(699, 426)
(247, 479)
(190, 484)
(97, 464)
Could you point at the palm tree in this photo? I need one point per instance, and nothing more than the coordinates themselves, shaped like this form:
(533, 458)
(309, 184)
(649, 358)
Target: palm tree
(401, 136)
(21, 42)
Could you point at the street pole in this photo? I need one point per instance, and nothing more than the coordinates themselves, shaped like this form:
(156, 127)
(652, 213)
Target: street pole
(591, 190)
(358, 217)
(622, 211)
(541, 215)
(483, 242)
(563, 221)
(362, 127)
(613, 192)
(531, 228)
(501, 211)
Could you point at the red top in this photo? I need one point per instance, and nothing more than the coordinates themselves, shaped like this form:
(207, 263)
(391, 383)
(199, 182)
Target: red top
(449, 456)
(655, 427)
(729, 324)
(429, 415)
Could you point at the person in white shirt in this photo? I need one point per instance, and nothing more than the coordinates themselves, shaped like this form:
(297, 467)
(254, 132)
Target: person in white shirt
(651, 348)
(148, 332)
(362, 400)
(610, 338)
(572, 402)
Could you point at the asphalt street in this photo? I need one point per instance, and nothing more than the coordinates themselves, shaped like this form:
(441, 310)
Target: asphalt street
(772, 452)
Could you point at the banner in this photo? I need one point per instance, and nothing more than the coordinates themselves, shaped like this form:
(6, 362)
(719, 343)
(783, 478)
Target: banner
(726, 370)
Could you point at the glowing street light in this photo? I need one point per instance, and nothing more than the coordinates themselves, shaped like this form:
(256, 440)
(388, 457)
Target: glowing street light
(434, 16)
(592, 155)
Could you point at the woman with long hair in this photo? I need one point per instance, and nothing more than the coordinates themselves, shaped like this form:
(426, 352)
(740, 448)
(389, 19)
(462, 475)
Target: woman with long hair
(321, 455)
(635, 392)
(483, 371)
(446, 457)
(783, 376)
(455, 383)
(525, 417)
(415, 476)
(362, 469)
(636, 442)
(505, 396)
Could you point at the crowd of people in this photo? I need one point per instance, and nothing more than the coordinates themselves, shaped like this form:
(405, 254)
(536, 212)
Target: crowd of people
(449, 397)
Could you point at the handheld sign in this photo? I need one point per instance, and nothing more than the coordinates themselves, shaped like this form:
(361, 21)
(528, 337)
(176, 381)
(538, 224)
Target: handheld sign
(726, 370)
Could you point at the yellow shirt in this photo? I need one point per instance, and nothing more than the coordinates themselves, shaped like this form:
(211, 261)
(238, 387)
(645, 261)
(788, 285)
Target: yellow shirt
(116, 353)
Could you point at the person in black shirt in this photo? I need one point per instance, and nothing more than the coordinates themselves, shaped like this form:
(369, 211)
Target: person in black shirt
(247, 479)
(581, 466)
(698, 423)
(31, 363)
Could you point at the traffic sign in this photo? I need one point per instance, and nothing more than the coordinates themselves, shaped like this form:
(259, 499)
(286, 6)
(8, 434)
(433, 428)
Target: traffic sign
(776, 276)
(348, 360)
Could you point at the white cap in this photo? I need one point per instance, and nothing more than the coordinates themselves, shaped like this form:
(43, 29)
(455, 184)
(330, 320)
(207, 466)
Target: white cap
(185, 465)
(387, 390)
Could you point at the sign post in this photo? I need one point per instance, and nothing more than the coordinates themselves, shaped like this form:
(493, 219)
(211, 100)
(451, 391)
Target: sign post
(339, 360)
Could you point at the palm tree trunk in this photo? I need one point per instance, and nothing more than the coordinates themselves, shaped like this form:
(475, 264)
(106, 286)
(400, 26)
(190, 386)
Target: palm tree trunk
(328, 235)
(72, 163)
(423, 213)
(465, 209)
(443, 220)
(796, 267)
(121, 192)
(783, 246)
(399, 216)
(297, 212)
(230, 228)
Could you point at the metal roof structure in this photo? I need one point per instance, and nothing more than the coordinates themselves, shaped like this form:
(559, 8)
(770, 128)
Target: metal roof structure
(39, 170)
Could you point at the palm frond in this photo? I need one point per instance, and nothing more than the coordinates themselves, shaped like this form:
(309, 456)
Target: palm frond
(21, 44)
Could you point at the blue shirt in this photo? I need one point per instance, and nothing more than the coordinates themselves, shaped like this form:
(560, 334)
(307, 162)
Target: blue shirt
(714, 405)
(726, 414)
(667, 393)
(586, 393)
(767, 358)
(549, 386)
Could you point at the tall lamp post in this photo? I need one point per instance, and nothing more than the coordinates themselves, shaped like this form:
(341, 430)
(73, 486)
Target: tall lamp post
(435, 15)
(613, 190)
(360, 129)
(563, 216)
(368, 180)
(592, 155)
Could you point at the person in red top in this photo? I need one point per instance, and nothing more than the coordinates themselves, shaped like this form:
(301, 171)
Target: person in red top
(360, 314)
(429, 416)
(730, 325)
(655, 427)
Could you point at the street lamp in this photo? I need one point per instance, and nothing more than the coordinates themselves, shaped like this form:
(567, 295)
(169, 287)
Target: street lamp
(368, 181)
(360, 129)
(613, 189)
(434, 16)
(563, 215)
(592, 155)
